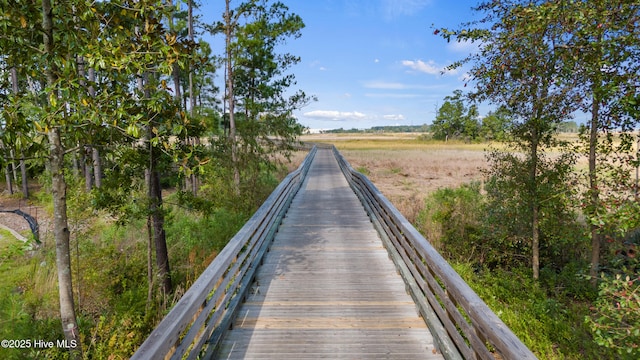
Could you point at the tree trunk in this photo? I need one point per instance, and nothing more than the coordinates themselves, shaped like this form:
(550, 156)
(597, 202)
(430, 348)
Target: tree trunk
(149, 256)
(593, 187)
(535, 211)
(7, 154)
(23, 165)
(23, 175)
(155, 207)
(14, 168)
(7, 177)
(594, 192)
(192, 97)
(175, 74)
(231, 100)
(159, 235)
(97, 164)
(88, 169)
(97, 167)
(59, 188)
(61, 234)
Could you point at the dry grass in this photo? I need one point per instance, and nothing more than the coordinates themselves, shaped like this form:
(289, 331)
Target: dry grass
(406, 169)
(399, 141)
(406, 177)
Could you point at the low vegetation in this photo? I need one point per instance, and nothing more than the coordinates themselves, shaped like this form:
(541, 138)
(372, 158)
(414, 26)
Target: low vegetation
(562, 315)
(109, 262)
(142, 188)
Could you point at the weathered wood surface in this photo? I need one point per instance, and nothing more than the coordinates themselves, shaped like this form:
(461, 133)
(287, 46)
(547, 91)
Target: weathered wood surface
(473, 331)
(327, 288)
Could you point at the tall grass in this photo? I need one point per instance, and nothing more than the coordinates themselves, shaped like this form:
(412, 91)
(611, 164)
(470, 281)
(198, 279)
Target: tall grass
(548, 315)
(109, 266)
(553, 328)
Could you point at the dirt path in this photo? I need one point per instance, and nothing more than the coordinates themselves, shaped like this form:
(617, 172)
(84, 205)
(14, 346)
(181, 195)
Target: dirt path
(16, 222)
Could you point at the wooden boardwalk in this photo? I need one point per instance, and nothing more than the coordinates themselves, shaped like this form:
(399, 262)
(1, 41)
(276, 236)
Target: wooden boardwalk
(327, 288)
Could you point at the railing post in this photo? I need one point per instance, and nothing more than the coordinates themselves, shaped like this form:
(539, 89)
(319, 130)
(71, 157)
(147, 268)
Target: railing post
(468, 320)
(209, 304)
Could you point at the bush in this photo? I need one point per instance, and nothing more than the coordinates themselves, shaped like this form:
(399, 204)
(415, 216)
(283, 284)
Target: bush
(615, 321)
(552, 328)
(452, 221)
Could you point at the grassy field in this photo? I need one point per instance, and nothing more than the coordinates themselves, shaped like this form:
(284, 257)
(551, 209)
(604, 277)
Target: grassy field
(387, 141)
(405, 168)
(408, 170)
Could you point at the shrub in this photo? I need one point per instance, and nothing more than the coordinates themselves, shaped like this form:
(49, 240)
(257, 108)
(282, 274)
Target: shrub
(553, 328)
(452, 221)
(615, 321)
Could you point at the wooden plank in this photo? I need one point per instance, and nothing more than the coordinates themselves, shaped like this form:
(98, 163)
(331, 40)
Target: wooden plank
(327, 288)
(486, 327)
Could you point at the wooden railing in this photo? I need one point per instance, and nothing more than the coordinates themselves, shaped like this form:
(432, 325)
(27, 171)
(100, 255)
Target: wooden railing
(195, 325)
(461, 323)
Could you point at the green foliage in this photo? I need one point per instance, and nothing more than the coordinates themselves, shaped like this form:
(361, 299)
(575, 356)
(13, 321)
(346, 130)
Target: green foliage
(452, 221)
(111, 286)
(495, 126)
(455, 120)
(510, 193)
(551, 326)
(615, 321)
(617, 210)
(118, 336)
(492, 230)
(544, 60)
(127, 111)
(259, 96)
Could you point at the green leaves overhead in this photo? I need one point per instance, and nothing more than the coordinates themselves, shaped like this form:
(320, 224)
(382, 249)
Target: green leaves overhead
(257, 96)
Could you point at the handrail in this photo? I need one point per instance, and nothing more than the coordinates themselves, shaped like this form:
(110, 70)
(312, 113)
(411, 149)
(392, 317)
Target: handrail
(473, 331)
(198, 320)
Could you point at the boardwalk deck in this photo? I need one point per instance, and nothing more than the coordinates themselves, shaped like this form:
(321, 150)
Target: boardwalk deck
(327, 288)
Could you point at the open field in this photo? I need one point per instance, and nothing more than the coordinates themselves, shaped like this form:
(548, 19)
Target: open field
(406, 169)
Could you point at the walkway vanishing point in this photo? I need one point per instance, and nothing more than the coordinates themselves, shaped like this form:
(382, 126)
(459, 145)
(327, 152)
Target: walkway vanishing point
(329, 269)
(327, 289)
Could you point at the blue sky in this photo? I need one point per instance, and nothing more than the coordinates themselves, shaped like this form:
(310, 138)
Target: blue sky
(372, 62)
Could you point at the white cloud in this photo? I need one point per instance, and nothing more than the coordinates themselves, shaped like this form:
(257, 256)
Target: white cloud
(395, 8)
(392, 95)
(465, 77)
(335, 115)
(376, 61)
(429, 67)
(317, 65)
(384, 85)
(389, 85)
(395, 117)
(464, 46)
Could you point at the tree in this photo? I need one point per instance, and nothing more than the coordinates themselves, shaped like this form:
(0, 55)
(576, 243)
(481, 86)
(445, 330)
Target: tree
(54, 122)
(15, 139)
(519, 62)
(144, 53)
(604, 45)
(495, 125)
(259, 109)
(455, 120)
(230, 24)
(80, 60)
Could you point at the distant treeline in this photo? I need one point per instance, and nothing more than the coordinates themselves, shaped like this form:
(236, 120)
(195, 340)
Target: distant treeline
(382, 129)
(564, 127)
